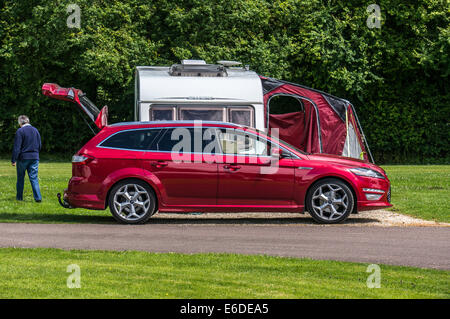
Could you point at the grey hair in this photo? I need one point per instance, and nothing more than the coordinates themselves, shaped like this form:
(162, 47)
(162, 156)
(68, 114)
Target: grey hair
(23, 119)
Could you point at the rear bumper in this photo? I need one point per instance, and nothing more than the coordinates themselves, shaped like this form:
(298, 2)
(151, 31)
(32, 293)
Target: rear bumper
(63, 202)
(87, 201)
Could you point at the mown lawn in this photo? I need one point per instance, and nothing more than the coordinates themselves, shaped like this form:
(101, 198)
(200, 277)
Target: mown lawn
(42, 273)
(53, 179)
(420, 190)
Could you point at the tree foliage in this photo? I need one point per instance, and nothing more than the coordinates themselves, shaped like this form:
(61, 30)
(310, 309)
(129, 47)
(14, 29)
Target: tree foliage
(396, 76)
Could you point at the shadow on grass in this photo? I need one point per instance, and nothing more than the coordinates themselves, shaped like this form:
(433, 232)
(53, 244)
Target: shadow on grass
(55, 218)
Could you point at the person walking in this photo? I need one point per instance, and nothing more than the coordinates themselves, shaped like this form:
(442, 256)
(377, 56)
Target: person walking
(25, 156)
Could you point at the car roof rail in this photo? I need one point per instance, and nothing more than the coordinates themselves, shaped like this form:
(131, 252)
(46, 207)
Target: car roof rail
(168, 122)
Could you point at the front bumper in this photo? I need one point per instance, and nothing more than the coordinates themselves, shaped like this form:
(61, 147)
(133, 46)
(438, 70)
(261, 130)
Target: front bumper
(369, 205)
(383, 202)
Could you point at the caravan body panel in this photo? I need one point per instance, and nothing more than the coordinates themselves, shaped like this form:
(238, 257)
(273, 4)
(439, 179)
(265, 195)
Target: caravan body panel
(237, 97)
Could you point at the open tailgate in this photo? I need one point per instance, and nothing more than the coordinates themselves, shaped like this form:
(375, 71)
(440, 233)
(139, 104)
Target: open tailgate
(76, 96)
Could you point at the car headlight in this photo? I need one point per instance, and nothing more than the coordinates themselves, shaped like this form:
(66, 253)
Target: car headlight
(367, 172)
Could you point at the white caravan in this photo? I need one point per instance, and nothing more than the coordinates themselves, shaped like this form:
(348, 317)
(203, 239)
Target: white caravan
(194, 90)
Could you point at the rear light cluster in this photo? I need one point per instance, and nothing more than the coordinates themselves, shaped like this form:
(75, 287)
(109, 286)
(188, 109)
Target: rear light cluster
(82, 159)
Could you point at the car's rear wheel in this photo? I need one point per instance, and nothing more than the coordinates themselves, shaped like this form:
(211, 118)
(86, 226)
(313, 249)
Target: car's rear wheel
(329, 201)
(132, 202)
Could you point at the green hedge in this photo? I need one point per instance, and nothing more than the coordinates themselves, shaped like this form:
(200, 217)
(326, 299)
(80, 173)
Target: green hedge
(396, 76)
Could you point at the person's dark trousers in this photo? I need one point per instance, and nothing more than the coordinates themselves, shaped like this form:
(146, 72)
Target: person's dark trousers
(30, 166)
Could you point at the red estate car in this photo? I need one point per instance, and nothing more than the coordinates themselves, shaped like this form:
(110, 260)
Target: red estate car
(139, 168)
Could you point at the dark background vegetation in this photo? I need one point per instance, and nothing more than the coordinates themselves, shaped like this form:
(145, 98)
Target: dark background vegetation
(396, 76)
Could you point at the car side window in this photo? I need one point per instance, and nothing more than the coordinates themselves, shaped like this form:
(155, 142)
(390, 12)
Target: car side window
(187, 140)
(240, 143)
(132, 139)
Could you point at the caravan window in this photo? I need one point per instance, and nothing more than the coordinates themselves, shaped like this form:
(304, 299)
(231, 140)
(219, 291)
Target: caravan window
(165, 113)
(241, 116)
(203, 114)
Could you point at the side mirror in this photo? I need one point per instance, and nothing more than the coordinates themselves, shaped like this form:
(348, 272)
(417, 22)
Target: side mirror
(275, 153)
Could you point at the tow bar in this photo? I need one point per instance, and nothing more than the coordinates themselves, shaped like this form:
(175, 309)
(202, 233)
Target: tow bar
(63, 202)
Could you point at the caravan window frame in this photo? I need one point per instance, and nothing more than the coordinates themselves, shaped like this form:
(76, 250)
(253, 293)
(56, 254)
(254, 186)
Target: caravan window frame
(181, 108)
(226, 110)
(163, 108)
(250, 109)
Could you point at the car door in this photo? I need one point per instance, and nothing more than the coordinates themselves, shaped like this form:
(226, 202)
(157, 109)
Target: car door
(248, 176)
(186, 177)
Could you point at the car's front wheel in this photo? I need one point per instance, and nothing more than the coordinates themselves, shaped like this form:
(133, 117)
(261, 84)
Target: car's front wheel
(329, 201)
(132, 202)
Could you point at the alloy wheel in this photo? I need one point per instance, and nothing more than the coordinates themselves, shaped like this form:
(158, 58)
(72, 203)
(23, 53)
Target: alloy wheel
(330, 202)
(132, 202)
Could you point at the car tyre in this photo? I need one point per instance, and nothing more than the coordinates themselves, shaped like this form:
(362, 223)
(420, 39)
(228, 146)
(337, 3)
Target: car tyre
(330, 201)
(132, 201)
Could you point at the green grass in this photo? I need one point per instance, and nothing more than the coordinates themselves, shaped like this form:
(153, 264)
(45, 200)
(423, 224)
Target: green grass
(53, 179)
(420, 191)
(42, 273)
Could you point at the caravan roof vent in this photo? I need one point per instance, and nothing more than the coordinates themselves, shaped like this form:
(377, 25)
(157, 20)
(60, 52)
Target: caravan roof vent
(193, 62)
(203, 69)
(229, 63)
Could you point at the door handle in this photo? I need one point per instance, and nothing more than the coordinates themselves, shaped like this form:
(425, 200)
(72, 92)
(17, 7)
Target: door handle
(159, 164)
(232, 167)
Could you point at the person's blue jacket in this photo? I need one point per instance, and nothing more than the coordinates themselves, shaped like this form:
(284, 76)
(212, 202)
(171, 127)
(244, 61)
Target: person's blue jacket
(27, 144)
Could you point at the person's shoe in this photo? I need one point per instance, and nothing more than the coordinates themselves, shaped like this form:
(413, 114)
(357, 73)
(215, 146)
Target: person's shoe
(38, 200)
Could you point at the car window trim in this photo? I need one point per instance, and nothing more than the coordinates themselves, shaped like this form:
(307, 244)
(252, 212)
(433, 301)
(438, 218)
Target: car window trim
(291, 155)
(129, 130)
(165, 128)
